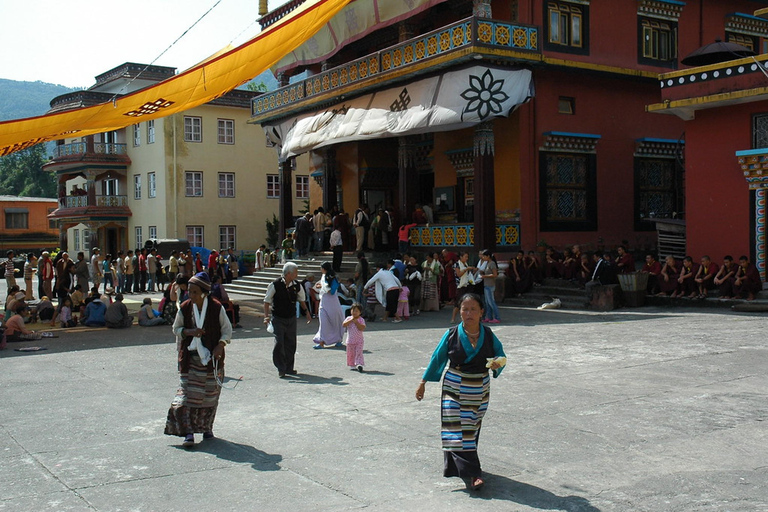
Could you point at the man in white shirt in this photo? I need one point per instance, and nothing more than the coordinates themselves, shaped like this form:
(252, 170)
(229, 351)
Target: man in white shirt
(387, 290)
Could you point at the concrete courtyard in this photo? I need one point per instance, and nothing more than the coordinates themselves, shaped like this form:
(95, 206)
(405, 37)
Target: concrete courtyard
(635, 410)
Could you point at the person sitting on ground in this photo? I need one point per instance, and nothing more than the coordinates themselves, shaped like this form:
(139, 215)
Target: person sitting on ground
(668, 277)
(586, 268)
(117, 316)
(625, 263)
(725, 278)
(705, 277)
(14, 295)
(219, 293)
(94, 313)
(748, 280)
(686, 286)
(653, 269)
(149, 317)
(45, 310)
(65, 314)
(568, 266)
(15, 330)
(552, 264)
(533, 267)
(12, 291)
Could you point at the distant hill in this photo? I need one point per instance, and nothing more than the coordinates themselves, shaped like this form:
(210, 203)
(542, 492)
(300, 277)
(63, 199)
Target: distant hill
(27, 99)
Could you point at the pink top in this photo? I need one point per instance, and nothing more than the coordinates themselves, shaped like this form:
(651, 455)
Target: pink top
(404, 292)
(354, 335)
(15, 324)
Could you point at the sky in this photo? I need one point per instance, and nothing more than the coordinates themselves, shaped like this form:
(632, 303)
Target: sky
(69, 43)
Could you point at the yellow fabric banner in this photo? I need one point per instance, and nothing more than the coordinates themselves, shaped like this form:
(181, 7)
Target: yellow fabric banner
(195, 86)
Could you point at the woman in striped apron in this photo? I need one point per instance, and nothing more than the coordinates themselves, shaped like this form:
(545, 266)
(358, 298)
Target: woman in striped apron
(471, 351)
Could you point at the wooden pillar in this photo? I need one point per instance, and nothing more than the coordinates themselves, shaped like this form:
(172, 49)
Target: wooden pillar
(407, 178)
(329, 179)
(485, 196)
(286, 197)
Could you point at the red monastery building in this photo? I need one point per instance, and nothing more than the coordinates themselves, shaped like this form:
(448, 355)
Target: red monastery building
(519, 121)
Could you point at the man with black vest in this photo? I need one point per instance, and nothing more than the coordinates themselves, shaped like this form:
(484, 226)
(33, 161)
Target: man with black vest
(280, 308)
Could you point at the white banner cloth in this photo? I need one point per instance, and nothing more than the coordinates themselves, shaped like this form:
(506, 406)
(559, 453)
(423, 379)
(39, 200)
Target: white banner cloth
(453, 100)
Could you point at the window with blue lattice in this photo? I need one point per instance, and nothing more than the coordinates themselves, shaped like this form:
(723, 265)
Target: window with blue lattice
(568, 196)
(658, 191)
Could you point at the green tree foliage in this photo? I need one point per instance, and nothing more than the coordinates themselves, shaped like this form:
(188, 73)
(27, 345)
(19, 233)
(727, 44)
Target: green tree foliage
(21, 174)
(256, 87)
(27, 99)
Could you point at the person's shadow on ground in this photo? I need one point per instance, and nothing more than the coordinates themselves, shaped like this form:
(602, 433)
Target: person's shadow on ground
(239, 453)
(499, 487)
(303, 378)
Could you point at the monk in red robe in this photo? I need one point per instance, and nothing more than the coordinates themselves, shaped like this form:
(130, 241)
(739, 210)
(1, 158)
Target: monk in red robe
(686, 284)
(748, 280)
(668, 277)
(705, 277)
(725, 278)
(653, 269)
(625, 262)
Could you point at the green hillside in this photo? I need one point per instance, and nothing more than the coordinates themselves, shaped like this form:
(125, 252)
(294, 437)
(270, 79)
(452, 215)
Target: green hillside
(26, 99)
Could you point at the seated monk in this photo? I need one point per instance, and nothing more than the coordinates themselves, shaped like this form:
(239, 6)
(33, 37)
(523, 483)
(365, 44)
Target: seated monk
(668, 277)
(625, 262)
(586, 268)
(653, 269)
(552, 263)
(533, 267)
(686, 285)
(569, 266)
(705, 277)
(748, 280)
(725, 278)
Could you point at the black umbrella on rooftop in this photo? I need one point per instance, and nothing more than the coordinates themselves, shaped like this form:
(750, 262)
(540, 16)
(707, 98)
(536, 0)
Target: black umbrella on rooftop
(716, 52)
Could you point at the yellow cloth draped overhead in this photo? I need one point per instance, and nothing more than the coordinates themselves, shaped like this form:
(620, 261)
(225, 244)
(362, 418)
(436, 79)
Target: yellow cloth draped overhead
(195, 86)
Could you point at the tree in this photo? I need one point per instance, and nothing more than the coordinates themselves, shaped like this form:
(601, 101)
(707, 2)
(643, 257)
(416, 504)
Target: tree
(21, 174)
(256, 87)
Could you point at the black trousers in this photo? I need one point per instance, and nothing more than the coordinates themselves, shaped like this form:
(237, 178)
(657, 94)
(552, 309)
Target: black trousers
(284, 352)
(338, 253)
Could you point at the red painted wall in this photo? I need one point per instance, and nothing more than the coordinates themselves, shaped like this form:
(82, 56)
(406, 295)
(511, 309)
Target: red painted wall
(717, 197)
(614, 109)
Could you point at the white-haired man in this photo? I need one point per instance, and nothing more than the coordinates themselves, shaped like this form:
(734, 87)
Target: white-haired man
(280, 308)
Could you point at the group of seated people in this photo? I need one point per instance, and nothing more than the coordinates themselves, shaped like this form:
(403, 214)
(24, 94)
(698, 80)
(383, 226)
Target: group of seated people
(691, 280)
(673, 278)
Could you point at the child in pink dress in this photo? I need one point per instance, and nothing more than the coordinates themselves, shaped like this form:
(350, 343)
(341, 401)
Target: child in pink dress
(402, 304)
(355, 325)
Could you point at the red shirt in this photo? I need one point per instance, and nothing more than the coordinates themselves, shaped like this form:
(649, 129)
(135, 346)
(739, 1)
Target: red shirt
(142, 263)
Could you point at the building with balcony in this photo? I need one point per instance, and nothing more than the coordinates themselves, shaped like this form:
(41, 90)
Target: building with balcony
(519, 122)
(725, 109)
(205, 175)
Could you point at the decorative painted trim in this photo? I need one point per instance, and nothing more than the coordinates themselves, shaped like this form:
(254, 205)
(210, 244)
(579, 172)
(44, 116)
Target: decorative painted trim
(461, 235)
(463, 161)
(713, 72)
(746, 24)
(754, 166)
(570, 142)
(760, 213)
(459, 36)
(664, 9)
(658, 148)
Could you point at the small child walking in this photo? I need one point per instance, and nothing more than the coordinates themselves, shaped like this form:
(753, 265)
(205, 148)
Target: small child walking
(403, 311)
(355, 325)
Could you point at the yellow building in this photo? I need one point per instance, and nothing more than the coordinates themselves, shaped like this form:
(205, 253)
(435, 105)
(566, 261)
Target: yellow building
(205, 175)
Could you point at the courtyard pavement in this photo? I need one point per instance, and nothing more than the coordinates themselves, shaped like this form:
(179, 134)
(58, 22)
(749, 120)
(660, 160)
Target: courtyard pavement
(634, 410)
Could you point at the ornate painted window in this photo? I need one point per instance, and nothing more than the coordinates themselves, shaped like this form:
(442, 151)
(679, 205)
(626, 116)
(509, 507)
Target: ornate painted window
(657, 32)
(659, 181)
(746, 30)
(568, 183)
(760, 131)
(567, 26)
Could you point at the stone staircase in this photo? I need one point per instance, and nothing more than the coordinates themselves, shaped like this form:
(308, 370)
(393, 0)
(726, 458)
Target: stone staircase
(256, 285)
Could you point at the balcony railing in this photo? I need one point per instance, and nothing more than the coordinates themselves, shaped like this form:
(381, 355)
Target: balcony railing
(80, 148)
(461, 235)
(108, 201)
(479, 32)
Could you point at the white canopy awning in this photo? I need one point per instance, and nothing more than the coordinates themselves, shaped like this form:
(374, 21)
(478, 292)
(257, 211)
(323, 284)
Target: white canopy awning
(453, 100)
